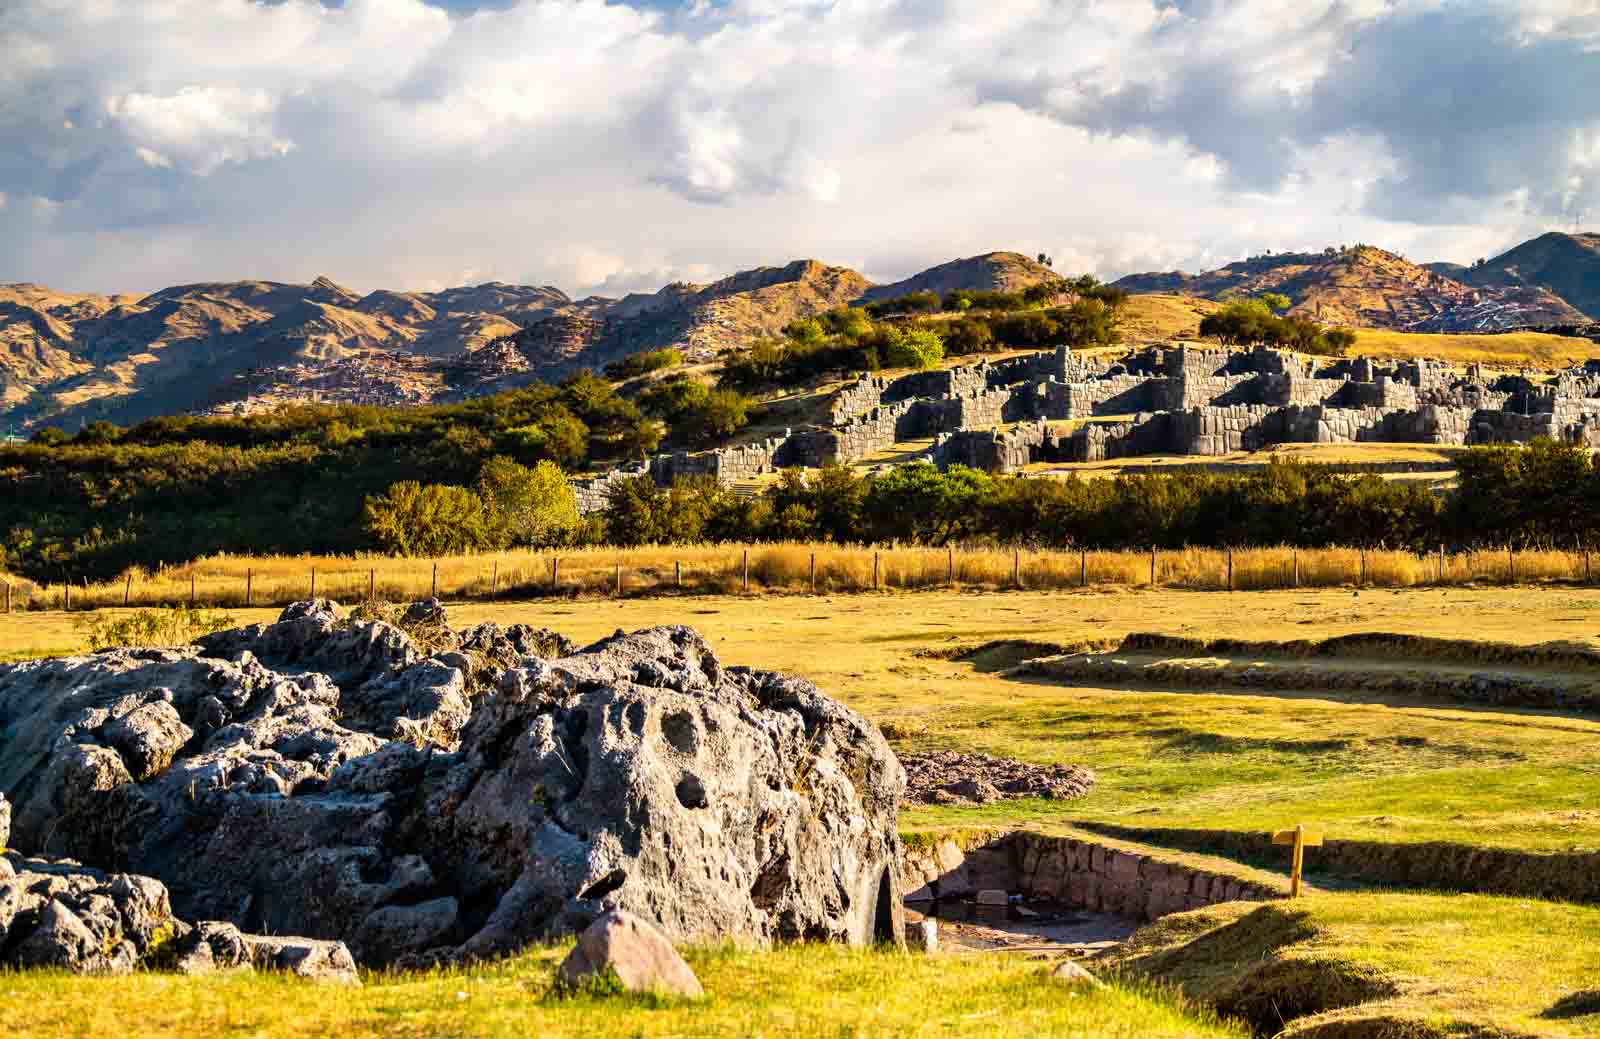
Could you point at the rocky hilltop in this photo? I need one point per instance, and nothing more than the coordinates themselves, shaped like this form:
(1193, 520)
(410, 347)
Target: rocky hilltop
(991, 272)
(1366, 287)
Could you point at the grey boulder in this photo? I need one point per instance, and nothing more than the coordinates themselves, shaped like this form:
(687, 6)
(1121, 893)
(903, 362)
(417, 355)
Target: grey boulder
(623, 947)
(463, 804)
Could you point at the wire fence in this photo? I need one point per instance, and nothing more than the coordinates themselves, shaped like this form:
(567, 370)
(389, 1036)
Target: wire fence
(821, 569)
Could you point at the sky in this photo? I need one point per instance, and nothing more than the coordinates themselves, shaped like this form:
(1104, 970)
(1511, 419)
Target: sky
(608, 147)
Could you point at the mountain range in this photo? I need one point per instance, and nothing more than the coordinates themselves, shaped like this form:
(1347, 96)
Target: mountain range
(223, 347)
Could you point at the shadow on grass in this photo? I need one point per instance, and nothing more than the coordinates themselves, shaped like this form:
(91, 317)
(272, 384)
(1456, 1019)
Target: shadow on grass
(1575, 1004)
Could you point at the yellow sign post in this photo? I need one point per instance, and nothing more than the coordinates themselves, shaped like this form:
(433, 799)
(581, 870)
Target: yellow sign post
(1302, 839)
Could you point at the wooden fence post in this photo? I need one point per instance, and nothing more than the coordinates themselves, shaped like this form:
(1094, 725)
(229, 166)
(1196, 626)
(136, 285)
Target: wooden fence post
(1083, 567)
(66, 596)
(1511, 563)
(494, 580)
(1361, 583)
(1230, 568)
(1585, 564)
(1016, 567)
(874, 571)
(1152, 566)
(813, 573)
(1294, 555)
(555, 574)
(744, 585)
(435, 593)
(1441, 562)
(249, 578)
(313, 582)
(127, 590)
(950, 566)
(677, 573)
(617, 590)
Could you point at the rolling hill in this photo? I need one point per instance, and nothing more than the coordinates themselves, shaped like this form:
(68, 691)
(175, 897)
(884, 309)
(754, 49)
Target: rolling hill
(71, 359)
(68, 359)
(1367, 287)
(1567, 265)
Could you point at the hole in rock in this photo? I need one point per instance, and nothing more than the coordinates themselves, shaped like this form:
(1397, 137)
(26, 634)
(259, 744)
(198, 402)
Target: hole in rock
(605, 885)
(883, 919)
(633, 714)
(680, 731)
(691, 792)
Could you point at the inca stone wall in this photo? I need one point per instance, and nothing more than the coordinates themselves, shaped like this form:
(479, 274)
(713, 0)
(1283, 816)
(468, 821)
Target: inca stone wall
(1085, 874)
(1186, 399)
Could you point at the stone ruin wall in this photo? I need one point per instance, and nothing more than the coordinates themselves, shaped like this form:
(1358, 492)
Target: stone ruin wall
(1186, 400)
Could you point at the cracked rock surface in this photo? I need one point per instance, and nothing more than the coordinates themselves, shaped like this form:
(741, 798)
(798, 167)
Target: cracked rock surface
(456, 794)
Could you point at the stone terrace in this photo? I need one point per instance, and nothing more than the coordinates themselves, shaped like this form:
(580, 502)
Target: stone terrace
(1183, 399)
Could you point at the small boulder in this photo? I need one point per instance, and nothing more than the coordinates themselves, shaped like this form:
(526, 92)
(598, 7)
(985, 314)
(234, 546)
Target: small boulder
(1069, 973)
(923, 935)
(993, 897)
(640, 956)
(310, 958)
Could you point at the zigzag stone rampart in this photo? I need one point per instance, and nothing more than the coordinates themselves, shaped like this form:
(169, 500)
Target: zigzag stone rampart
(1187, 400)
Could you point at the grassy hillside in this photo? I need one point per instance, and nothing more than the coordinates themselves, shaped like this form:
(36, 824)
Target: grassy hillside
(1163, 316)
(1367, 287)
(991, 272)
(1377, 965)
(1565, 264)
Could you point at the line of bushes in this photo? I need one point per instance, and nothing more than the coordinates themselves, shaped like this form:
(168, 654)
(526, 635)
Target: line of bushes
(1544, 495)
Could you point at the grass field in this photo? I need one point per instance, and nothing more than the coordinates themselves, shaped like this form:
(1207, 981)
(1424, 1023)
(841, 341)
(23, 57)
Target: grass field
(1376, 965)
(1360, 765)
(1367, 766)
(821, 991)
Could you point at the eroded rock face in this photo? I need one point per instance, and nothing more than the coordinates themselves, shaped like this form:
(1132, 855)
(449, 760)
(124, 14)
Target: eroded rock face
(327, 778)
(639, 774)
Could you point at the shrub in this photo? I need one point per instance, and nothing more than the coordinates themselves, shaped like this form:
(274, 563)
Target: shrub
(527, 506)
(414, 519)
(176, 626)
(917, 348)
(644, 363)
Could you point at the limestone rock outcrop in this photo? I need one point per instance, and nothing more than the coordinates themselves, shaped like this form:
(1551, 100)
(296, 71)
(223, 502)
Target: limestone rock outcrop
(421, 792)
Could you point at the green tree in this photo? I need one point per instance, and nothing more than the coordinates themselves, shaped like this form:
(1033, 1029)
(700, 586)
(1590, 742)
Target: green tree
(526, 506)
(414, 519)
(635, 512)
(919, 348)
(722, 414)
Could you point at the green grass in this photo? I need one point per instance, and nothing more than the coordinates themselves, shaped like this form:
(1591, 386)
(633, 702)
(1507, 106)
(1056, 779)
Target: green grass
(1438, 965)
(1361, 765)
(794, 991)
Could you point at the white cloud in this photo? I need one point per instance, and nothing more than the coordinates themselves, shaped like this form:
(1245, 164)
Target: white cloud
(602, 146)
(200, 126)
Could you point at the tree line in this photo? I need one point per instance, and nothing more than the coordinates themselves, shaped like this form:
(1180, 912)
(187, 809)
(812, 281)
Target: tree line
(921, 329)
(82, 510)
(1543, 495)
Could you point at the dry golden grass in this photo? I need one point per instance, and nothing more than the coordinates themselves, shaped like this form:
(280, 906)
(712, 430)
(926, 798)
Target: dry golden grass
(227, 581)
(1511, 349)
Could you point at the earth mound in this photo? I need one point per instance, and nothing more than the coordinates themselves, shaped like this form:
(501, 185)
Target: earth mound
(952, 777)
(460, 796)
